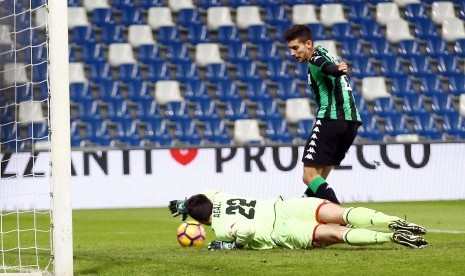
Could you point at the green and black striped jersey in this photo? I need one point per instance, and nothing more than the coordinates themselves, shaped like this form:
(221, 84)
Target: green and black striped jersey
(333, 94)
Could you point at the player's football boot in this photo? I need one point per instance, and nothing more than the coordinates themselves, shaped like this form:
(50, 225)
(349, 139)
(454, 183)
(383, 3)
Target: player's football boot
(411, 241)
(406, 227)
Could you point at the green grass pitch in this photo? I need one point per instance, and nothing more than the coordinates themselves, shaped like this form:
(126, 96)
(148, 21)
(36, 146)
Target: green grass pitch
(143, 242)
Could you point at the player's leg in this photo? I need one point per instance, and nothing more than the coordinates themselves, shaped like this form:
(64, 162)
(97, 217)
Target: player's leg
(326, 171)
(318, 157)
(320, 171)
(364, 217)
(325, 235)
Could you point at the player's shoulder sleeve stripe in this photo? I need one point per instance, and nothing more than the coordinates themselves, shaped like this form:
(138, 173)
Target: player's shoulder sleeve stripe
(318, 59)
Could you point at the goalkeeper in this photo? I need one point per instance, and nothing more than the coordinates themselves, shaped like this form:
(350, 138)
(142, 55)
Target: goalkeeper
(295, 223)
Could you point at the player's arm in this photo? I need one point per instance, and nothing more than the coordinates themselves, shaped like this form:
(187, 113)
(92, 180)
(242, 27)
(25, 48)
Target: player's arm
(242, 233)
(335, 70)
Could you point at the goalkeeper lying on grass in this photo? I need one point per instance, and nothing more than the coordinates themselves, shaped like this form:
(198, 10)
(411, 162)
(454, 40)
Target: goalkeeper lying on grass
(295, 223)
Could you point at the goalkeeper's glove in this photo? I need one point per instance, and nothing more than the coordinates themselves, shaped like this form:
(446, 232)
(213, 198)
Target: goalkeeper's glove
(222, 245)
(177, 208)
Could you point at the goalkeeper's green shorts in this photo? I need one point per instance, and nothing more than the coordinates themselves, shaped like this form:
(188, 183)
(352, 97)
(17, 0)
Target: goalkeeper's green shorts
(296, 222)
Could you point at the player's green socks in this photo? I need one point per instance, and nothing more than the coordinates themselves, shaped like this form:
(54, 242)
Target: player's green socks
(363, 217)
(360, 236)
(320, 189)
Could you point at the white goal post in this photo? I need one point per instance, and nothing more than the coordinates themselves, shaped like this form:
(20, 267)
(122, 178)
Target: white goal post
(35, 201)
(61, 141)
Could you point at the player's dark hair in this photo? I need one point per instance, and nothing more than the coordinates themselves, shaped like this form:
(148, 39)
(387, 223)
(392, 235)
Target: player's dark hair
(199, 207)
(298, 31)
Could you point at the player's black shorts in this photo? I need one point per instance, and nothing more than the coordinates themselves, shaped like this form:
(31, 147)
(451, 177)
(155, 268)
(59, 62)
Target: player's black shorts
(329, 142)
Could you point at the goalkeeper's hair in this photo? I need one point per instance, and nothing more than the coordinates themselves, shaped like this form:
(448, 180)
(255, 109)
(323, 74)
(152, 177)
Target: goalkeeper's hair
(298, 31)
(199, 207)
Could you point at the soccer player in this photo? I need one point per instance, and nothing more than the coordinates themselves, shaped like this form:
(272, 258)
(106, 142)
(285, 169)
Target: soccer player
(337, 119)
(295, 223)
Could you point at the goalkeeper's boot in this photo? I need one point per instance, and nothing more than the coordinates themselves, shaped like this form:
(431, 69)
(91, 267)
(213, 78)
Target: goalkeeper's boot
(406, 227)
(411, 241)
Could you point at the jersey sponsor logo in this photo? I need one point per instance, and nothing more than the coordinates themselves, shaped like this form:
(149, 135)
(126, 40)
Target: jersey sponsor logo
(309, 156)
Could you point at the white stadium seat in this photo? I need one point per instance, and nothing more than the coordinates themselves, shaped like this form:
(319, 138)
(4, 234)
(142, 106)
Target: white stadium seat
(120, 53)
(397, 30)
(5, 35)
(77, 16)
(441, 11)
(167, 91)
(140, 35)
(386, 12)
(76, 72)
(91, 5)
(407, 138)
(304, 14)
(298, 109)
(40, 20)
(159, 16)
(14, 73)
(453, 29)
(207, 53)
(30, 112)
(331, 14)
(247, 16)
(177, 5)
(219, 16)
(246, 131)
(373, 88)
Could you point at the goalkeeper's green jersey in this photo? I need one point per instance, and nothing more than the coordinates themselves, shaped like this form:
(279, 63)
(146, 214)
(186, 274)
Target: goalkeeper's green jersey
(333, 94)
(247, 220)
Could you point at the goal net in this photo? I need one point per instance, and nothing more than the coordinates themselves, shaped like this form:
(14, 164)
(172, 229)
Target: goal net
(35, 210)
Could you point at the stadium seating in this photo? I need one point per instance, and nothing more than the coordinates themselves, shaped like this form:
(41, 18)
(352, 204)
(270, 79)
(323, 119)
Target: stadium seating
(148, 110)
(247, 131)
(138, 90)
(298, 109)
(369, 128)
(159, 17)
(205, 110)
(396, 124)
(128, 133)
(236, 109)
(98, 133)
(140, 35)
(248, 16)
(215, 64)
(157, 132)
(187, 132)
(218, 17)
(267, 108)
(216, 132)
(277, 130)
(304, 14)
(195, 90)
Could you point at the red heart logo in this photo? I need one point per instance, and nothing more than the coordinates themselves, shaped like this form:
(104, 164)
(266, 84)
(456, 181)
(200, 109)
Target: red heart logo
(184, 156)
